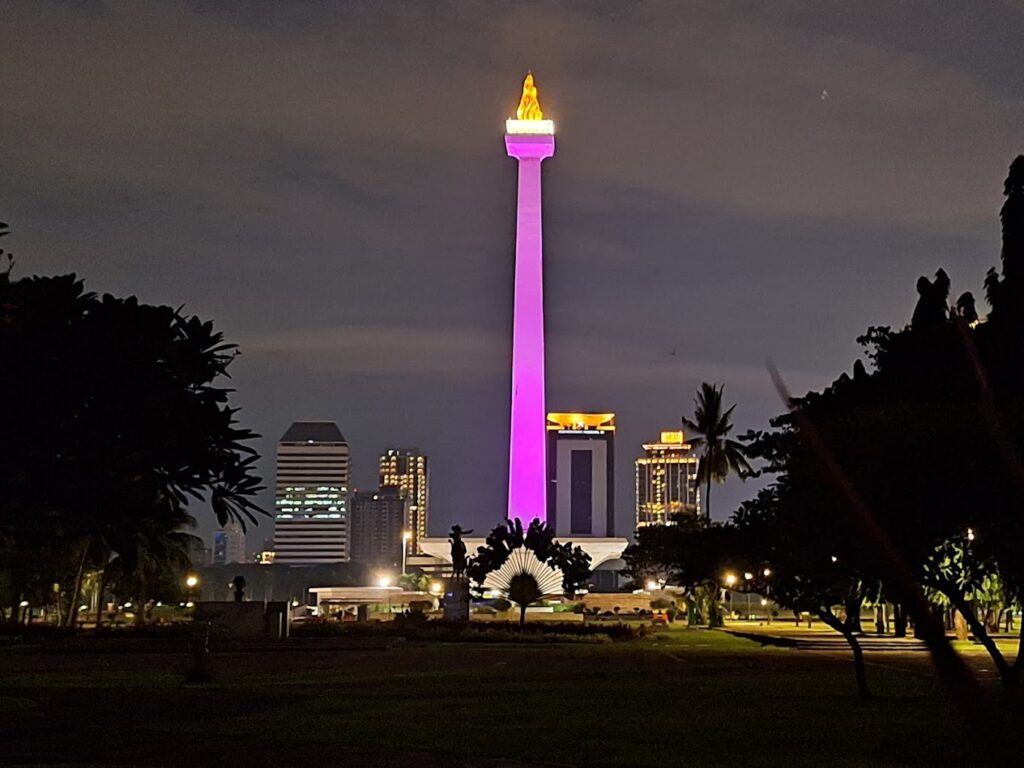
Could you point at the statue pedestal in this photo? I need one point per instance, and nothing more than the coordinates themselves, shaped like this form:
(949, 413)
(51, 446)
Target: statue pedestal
(456, 599)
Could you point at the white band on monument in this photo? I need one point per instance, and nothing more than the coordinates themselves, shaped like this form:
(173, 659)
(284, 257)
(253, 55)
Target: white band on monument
(539, 127)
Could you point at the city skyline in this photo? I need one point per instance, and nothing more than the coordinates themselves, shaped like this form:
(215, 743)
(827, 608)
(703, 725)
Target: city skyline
(732, 187)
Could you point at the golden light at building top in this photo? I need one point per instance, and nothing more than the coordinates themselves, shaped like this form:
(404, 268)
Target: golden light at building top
(581, 422)
(529, 117)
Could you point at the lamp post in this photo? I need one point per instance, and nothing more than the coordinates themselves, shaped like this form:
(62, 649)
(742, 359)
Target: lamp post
(406, 538)
(191, 582)
(748, 576)
(730, 582)
(436, 589)
(385, 583)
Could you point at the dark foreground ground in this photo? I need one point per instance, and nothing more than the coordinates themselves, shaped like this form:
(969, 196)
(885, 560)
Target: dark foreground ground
(693, 698)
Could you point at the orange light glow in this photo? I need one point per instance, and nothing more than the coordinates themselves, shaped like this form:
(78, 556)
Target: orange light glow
(603, 422)
(529, 105)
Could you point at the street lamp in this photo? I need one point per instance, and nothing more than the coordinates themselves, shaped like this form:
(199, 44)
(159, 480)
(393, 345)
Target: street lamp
(436, 587)
(748, 576)
(191, 582)
(384, 582)
(730, 581)
(406, 538)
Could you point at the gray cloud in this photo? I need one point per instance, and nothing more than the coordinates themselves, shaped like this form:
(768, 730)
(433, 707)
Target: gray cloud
(327, 181)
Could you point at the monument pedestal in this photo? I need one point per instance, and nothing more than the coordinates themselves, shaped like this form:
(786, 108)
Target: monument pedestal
(456, 599)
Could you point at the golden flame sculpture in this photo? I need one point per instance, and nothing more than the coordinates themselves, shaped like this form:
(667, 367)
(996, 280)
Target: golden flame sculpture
(529, 106)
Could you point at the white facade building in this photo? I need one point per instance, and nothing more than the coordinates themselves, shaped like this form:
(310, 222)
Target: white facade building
(311, 523)
(229, 544)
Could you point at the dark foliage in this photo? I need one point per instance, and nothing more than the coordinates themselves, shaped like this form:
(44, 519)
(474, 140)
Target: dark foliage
(539, 538)
(112, 426)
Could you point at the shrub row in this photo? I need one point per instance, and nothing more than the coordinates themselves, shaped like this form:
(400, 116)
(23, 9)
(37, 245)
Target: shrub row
(414, 628)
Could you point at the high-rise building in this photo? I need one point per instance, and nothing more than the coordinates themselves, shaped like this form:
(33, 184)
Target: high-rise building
(529, 139)
(229, 544)
(409, 470)
(581, 471)
(377, 521)
(311, 505)
(666, 480)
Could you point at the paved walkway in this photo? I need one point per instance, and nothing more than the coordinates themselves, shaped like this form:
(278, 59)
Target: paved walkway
(818, 637)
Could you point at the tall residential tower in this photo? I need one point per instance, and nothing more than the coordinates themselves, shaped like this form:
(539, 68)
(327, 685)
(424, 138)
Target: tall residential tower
(311, 505)
(409, 470)
(666, 480)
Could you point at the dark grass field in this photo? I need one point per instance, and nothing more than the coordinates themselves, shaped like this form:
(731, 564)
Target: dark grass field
(691, 698)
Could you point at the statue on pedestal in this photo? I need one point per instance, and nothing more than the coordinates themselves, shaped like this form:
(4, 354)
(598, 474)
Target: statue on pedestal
(459, 561)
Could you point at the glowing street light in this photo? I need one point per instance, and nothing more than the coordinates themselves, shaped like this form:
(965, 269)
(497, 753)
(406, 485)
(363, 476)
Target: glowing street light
(652, 586)
(191, 581)
(730, 579)
(970, 534)
(436, 587)
(406, 538)
(748, 575)
(384, 582)
(767, 572)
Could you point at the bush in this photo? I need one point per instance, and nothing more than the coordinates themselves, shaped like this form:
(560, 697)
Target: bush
(419, 627)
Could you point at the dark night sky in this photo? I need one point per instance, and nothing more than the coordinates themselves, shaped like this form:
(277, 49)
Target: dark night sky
(328, 182)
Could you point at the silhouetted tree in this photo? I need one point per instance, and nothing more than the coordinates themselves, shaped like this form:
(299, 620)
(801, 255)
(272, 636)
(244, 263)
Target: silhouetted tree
(719, 455)
(112, 426)
(932, 303)
(692, 553)
(785, 548)
(914, 472)
(1005, 293)
(534, 556)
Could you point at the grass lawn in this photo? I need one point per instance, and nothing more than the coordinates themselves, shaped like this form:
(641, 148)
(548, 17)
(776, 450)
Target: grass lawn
(694, 698)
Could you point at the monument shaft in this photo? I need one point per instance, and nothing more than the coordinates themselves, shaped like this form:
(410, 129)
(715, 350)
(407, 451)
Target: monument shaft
(527, 445)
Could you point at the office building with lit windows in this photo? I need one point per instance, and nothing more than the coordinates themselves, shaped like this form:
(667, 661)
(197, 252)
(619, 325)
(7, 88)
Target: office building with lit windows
(378, 518)
(581, 472)
(311, 500)
(666, 480)
(409, 470)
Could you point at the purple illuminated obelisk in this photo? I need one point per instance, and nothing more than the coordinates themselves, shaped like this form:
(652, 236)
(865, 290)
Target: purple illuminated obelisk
(530, 139)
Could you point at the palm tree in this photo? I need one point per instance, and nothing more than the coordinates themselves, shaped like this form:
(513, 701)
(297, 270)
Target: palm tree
(528, 564)
(523, 590)
(719, 456)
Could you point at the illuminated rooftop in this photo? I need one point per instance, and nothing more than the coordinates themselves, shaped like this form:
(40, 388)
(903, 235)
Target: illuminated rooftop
(672, 440)
(602, 422)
